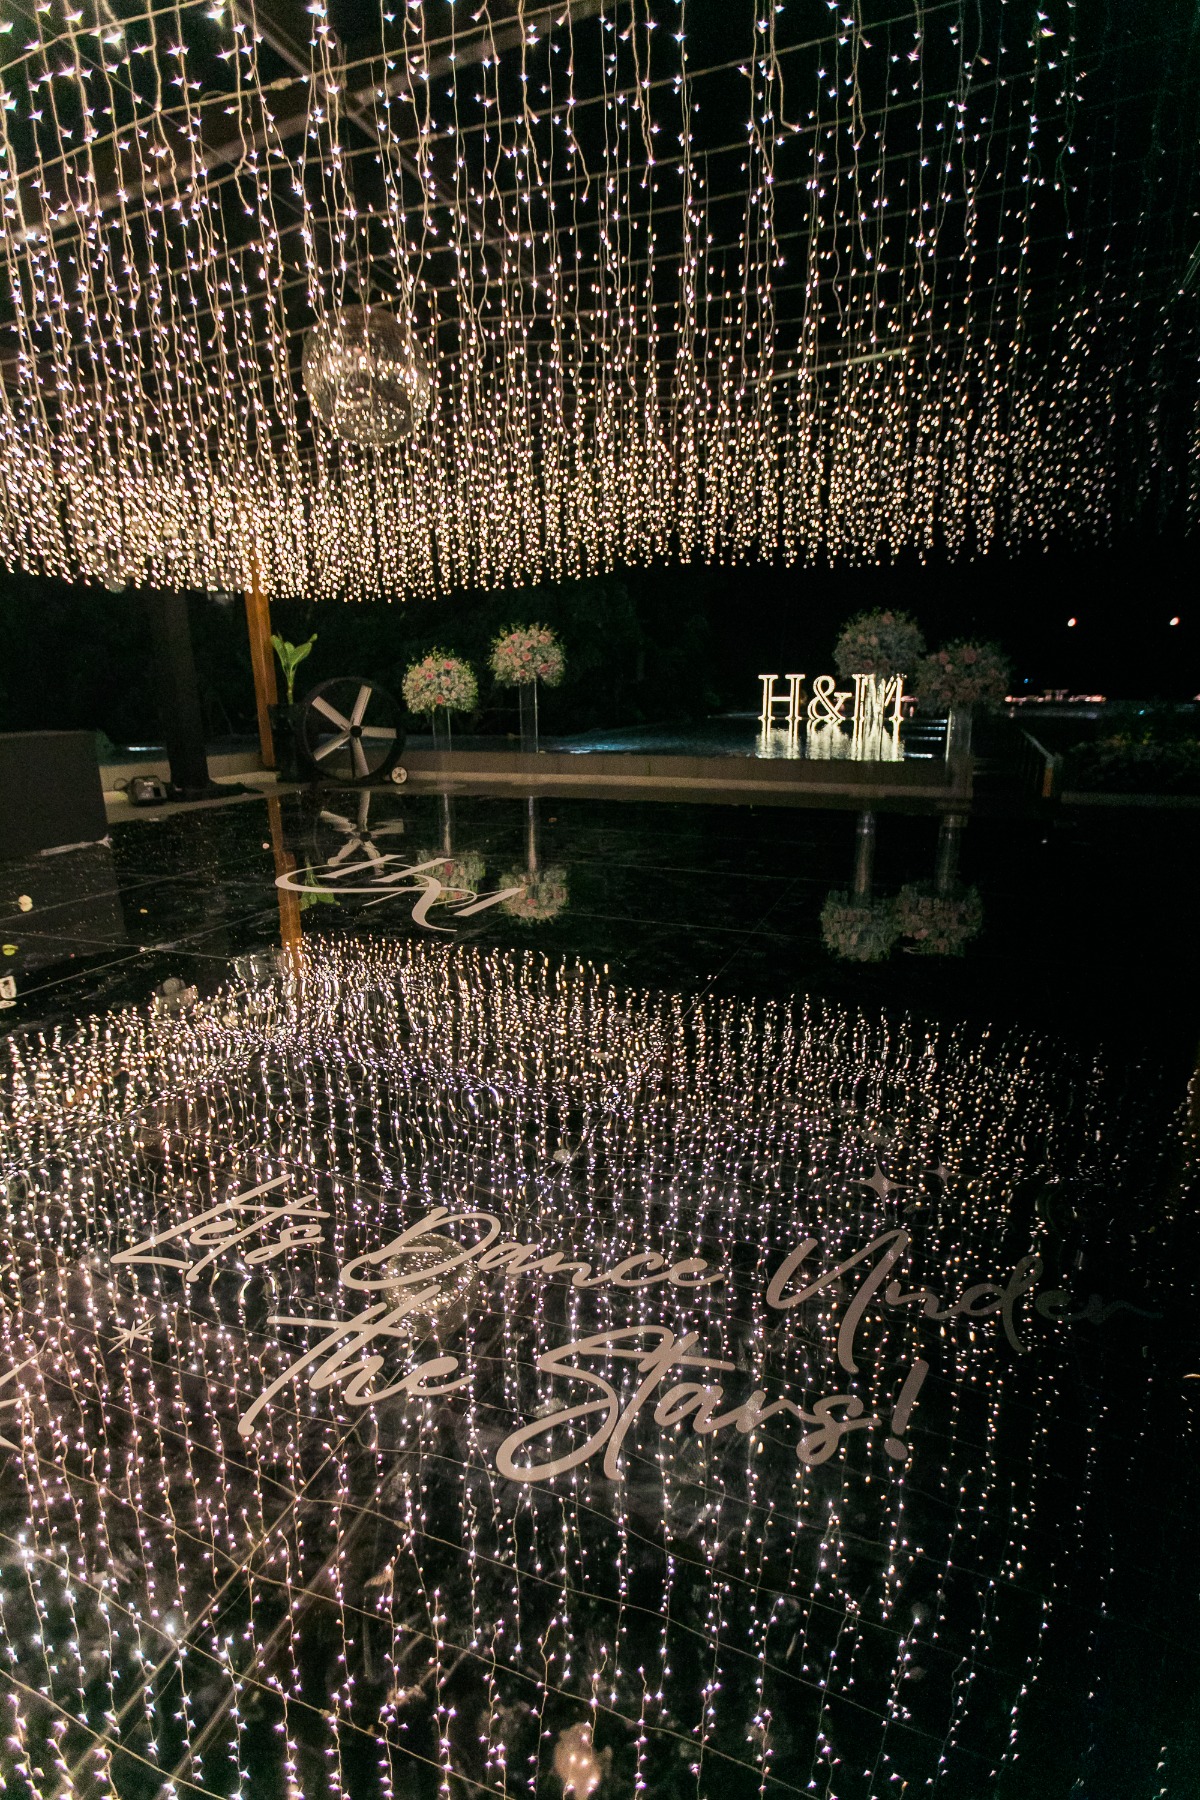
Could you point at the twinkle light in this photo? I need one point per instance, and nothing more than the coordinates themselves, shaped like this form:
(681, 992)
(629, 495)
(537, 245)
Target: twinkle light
(843, 286)
(351, 1597)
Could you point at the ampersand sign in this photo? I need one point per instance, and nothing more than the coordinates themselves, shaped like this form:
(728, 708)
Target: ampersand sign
(826, 705)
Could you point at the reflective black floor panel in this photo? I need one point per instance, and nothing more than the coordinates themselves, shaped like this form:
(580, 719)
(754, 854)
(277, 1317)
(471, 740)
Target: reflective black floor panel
(582, 1297)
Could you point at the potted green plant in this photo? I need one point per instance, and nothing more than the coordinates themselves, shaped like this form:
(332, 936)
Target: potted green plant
(285, 720)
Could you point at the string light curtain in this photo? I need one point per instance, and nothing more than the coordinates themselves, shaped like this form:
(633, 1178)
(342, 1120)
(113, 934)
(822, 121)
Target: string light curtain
(782, 280)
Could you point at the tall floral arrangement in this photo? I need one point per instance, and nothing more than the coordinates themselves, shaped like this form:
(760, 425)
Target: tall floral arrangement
(527, 653)
(879, 643)
(964, 674)
(440, 680)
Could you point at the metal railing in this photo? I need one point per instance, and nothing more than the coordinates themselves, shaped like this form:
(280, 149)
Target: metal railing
(1039, 767)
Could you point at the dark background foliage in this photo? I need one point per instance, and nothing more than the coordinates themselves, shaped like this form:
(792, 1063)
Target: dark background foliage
(642, 644)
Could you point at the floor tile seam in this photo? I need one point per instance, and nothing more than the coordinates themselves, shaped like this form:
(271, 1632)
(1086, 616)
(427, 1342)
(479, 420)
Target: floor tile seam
(708, 989)
(538, 1681)
(191, 1646)
(712, 1640)
(216, 1598)
(289, 1413)
(102, 1486)
(47, 940)
(118, 890)
(730, 1574)
(631, 921)
(98, 1738)
(104, 1490)
(73, 974)
(710, 870)
(190, 938)
(303, 1496)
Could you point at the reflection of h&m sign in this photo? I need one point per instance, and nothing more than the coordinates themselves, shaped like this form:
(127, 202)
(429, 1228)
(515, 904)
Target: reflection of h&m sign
(878, 700)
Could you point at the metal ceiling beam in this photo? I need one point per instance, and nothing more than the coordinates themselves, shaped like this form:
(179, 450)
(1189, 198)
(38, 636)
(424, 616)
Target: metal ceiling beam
(222, 146)
(286, 32)
(284, 28)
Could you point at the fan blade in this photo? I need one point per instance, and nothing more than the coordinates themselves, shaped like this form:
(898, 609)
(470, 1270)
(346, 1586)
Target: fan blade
(337, 743)
(360, 762)
(349, 848)
(378, 731)
(330, 712)
(360, 705)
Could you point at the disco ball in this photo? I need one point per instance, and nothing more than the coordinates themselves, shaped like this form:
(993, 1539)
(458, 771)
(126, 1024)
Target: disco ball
(366, 376)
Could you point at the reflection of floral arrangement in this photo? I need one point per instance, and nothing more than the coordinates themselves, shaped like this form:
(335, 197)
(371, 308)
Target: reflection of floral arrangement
(440, 680)
(878, 643)
(527, 653)
(458, 874)
(541, 897)
(942, 924)
(859, 930)
(964, 674)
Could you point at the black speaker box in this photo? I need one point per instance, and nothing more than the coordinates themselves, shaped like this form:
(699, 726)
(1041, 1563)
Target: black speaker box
(50, 791)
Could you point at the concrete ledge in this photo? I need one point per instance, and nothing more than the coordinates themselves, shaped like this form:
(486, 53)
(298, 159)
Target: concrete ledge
(730, 776)
(220, 767)
(119, 810)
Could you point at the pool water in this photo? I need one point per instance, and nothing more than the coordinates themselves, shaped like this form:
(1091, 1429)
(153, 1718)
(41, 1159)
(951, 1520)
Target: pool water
(728, 734)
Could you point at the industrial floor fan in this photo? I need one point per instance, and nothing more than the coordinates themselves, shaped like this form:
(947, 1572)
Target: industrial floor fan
(350, 732)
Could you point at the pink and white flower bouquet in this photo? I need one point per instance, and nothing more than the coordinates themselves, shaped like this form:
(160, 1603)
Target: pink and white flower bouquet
(964, 674)
(458, 875)
(857, 929)
(440, 680)
(938, 924)
(878, 643)
(527, 653)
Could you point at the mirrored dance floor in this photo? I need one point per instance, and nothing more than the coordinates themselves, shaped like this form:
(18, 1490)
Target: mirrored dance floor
(591, 1330)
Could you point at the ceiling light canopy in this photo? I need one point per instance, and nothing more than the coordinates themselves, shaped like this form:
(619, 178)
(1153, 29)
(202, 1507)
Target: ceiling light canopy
(645, 282)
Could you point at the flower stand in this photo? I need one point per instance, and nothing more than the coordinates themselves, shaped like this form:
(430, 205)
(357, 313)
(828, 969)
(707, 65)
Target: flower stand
(528, 693)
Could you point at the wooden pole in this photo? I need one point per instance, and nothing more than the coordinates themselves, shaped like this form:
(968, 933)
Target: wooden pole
(285, 864)
(262, 661)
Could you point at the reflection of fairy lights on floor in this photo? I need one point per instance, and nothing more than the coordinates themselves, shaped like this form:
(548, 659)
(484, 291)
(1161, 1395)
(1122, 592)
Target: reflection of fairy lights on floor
(782, 1580)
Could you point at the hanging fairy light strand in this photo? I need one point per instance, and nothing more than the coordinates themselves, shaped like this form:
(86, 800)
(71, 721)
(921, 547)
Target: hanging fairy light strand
(838, 281)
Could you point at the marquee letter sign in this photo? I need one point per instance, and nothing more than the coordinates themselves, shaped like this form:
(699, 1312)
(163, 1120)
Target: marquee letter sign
(878, 710)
